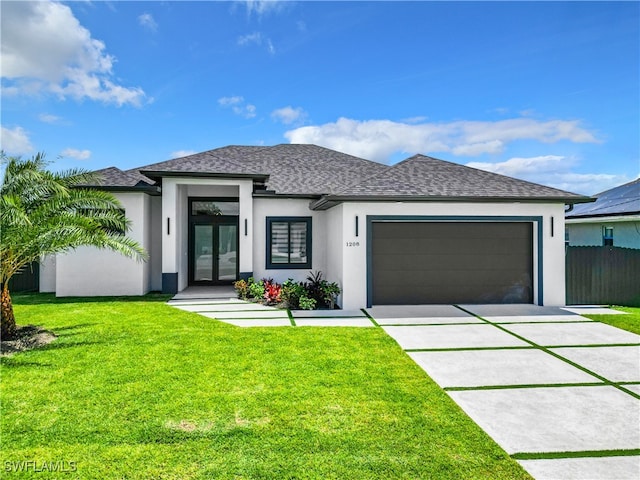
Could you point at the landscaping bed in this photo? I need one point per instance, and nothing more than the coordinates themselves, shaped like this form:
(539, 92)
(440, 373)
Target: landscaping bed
(315, 293)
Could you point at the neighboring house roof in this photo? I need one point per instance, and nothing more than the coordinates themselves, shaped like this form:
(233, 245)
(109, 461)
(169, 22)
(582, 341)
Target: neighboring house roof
(332, 177)
(621, 200)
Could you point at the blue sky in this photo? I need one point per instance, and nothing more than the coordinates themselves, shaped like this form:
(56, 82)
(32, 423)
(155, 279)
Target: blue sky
(544, 91)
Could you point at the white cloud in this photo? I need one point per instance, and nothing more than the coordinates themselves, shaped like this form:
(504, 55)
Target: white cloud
(15, 141)
(262, 7)
(76, 154)
(380, 139)
(475, 149)
(182, 153)
(49, 118)
(270, 48)
(289, 115)
(228, 101)
(555, 171)
(44, 48)
(238, 106)
(147, 21)
(418, 119)
(519, 166)
(258, 39)
(255, 37)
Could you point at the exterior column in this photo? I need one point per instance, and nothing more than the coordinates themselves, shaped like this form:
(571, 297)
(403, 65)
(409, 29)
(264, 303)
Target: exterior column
(169, 237)
(245, 224)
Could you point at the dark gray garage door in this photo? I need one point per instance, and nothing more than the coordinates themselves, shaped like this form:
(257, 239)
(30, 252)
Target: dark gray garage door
(447, 262)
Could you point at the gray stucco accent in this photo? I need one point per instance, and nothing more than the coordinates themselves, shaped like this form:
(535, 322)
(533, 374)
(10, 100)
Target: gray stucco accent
(170, 282)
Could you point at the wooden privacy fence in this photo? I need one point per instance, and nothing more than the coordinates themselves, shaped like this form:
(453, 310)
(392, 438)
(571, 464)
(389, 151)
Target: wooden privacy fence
(603, 275)
(28, 280)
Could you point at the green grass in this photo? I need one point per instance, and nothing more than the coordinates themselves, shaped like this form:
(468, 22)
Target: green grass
(137, 389)
(629, 322)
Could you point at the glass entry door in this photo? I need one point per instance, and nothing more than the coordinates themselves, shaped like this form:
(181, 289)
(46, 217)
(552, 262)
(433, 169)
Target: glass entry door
(214, 252)
(227, 267)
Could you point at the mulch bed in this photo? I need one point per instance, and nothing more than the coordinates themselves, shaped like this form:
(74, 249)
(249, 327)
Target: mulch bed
(27, 337)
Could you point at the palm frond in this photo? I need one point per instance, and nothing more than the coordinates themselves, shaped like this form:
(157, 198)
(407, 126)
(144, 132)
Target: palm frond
(44, 213)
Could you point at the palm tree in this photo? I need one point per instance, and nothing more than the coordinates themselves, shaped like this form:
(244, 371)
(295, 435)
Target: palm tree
(45, 213)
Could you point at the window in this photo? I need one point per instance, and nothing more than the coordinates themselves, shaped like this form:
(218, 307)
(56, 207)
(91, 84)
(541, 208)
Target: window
(607, 236)
(214, 207)
(288, 242)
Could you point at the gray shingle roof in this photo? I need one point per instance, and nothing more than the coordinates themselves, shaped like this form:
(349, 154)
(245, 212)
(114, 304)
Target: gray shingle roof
(621, 200)
(422, 176)
(291, 169)
(114, 177)
(225, 160)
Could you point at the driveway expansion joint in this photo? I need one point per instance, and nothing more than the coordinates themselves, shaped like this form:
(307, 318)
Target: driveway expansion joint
(554, 354)
(531, 385)
(571, 417)
(579, 454)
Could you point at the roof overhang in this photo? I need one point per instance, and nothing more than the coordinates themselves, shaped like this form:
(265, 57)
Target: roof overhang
(148, 189)
(328, 201)
(157, 174)
(631, 217)
(273, 194)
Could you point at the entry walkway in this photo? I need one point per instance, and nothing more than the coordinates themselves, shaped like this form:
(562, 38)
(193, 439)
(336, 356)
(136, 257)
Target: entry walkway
(559, 392)
(246, 314)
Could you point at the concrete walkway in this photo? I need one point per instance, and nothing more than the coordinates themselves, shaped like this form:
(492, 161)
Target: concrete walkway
(246, 314)
(558, 392)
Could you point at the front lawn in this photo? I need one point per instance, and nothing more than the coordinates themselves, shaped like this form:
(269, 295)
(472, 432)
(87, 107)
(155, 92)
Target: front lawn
(630, 322)
(138, 389)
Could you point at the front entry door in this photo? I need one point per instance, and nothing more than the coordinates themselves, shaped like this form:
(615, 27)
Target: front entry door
(213, 256)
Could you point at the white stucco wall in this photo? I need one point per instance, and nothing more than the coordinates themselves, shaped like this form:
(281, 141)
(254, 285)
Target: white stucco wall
(354, 249)
(334, 240)
(287, 207)
(626, 231)
(48, 274)
(89, 271)
(175, 203)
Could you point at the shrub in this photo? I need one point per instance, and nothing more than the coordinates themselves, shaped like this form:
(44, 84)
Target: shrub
(242, 289)
(323, 292)
(256, 289)
(291, 293)
(307, 303)
(272, 292)
(330, 292)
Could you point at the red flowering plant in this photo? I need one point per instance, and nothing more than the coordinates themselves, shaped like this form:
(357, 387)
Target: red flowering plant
(272, 292)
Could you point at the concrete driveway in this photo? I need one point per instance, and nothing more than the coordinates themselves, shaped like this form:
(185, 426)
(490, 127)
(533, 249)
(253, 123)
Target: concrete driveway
(558, 392)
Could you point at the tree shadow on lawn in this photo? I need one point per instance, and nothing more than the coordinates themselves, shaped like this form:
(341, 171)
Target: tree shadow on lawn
(13, 362)
(50, 298)
(66, 330)
(33, 337)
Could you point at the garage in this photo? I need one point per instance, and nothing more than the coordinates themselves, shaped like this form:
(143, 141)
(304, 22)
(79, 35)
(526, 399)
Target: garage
(451, 262)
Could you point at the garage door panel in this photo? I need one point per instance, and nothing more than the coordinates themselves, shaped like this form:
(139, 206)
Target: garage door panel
(447, 263)
(420, 245)
(429, 262)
